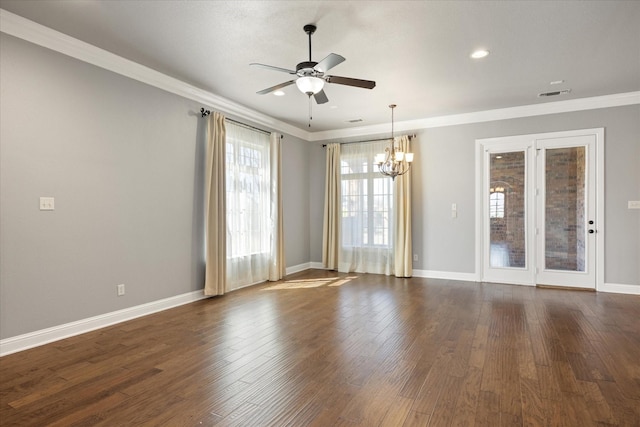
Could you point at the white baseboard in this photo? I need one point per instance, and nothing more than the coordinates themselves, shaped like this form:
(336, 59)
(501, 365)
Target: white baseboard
(45, 336)
(620, 289)
(448, 275)
(317, 266)
(298, 268)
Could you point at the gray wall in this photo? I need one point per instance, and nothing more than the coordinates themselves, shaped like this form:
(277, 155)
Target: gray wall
(295, 184)
(124, 162)
(444, 173)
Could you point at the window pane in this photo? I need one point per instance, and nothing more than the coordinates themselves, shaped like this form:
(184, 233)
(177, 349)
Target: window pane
(248, 195)
(366, 199)
(507, 210)
(565, 182)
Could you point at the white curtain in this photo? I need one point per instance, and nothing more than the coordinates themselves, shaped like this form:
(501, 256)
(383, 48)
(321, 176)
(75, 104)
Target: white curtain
(215, 202)
(277, 266)
(331, 226)
(249, 222)
(367, 211)
(402, 214)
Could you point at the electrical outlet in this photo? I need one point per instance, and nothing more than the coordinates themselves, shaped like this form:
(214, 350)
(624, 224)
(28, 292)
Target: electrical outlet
(415, 257)
(634, 204)
(47, 203)
(120, 289)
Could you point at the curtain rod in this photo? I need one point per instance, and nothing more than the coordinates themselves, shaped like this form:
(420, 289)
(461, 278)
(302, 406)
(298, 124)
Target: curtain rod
(205, 113)
(369, 140)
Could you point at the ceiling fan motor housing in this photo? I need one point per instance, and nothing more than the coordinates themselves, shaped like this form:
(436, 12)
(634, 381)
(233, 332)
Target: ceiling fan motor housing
(306, 69)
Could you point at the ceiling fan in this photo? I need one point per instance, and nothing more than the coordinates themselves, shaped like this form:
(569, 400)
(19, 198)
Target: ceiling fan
(311, 75)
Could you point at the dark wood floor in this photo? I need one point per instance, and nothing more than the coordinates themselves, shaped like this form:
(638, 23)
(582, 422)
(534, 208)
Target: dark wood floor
(328, 349)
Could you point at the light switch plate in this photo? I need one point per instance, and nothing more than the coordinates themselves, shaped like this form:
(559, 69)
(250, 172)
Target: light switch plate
(634, 204)
(47, 204)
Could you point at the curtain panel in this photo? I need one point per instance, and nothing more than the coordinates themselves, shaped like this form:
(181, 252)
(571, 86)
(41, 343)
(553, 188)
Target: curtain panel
(277, 266)
(215, 207)
(402, 203)
(331, 223)
(249, 209)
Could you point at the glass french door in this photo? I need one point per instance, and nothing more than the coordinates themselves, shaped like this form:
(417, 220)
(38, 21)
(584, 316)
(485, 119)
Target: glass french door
(566, 218)
(539, 210)
(508, 219)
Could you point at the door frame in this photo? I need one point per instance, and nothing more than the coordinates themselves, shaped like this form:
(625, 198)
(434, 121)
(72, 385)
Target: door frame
(506, 141)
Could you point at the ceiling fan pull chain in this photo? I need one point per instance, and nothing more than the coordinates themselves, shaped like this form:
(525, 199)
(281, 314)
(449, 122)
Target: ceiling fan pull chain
(310, 117)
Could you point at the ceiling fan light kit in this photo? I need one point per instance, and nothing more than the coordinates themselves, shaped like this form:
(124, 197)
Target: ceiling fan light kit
(311, 76)
(310, 85)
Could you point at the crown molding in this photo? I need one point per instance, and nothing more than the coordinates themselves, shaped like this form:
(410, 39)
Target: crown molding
(605, 101)
(46, 37)
(30, 31)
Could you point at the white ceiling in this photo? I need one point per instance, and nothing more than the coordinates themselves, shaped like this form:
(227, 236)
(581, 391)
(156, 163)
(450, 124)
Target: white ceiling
(416, 51)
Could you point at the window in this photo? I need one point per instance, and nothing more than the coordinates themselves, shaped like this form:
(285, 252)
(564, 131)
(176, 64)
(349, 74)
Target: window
(249, 225)
(366, 224)
(496, 204)
(366, 203)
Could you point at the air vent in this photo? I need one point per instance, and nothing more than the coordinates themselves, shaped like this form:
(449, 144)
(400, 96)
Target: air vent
(354, 121)
(554, 93)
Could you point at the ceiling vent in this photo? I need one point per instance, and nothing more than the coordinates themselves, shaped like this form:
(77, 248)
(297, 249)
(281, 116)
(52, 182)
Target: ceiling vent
(554, 93)
(354, 121)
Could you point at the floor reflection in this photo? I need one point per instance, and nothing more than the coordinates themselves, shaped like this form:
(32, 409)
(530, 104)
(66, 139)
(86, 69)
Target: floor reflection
(310, 283)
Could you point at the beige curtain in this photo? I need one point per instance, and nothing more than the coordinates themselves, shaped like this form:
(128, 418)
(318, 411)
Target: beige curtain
(402, 204)
(331, 226)
(215, 208)
(277, 267)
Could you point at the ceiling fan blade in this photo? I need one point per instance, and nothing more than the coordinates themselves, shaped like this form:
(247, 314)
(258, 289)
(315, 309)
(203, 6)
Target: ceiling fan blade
(329, 62)
(276, 87)
(271, 67)
(366, 84)
(321, 97)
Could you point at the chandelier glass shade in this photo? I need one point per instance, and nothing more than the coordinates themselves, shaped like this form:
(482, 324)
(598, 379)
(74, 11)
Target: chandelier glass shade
(310, 85)
(393, 162)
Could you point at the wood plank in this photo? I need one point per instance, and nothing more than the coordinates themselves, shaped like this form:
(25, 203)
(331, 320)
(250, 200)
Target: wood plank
(465, 410)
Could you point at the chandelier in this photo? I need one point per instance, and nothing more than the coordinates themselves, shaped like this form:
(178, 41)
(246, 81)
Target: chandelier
(393, 162)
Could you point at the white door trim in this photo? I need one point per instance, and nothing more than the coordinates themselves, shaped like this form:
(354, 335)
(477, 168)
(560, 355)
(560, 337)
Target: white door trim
(600, 194)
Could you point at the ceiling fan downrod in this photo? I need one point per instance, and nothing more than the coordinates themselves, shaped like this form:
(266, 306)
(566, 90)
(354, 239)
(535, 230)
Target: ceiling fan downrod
(309, 29)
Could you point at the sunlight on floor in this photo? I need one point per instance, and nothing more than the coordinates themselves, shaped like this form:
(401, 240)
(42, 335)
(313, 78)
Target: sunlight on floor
(310, 283)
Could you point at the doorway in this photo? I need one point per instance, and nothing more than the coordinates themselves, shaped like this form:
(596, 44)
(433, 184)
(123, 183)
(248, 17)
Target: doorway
(538, 198)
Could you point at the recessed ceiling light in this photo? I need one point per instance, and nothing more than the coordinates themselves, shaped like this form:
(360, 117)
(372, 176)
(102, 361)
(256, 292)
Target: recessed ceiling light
(278, 93)
(556, 82)
(333, 107)
(480, 53)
